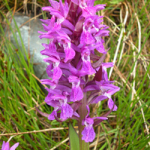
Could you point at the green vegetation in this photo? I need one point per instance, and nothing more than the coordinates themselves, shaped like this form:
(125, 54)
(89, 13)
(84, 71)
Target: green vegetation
(129, 42)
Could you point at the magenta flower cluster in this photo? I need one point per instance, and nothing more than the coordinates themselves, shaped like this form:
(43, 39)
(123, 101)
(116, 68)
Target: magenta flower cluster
(75, 71)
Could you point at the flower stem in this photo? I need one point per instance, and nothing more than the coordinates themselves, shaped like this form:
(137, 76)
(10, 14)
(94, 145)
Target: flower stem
(82, 113)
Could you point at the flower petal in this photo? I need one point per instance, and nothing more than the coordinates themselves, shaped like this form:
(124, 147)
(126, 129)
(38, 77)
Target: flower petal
(98, 120)
(66, 112)
(76, 94)
(57, 73)
(52, 115)
(49, 82)
(86, 65)
(54, 4)
(112, 105)
(5, 146)
(88, 134)
(86, 38)
(14, 146)
(98, 99)
(70, 53)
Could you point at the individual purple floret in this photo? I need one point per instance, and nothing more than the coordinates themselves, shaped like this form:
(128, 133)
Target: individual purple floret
(77, 73)
(5, 146)
(88, 132)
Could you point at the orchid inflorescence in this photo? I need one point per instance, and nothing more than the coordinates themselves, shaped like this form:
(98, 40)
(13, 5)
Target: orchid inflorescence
(78, 76)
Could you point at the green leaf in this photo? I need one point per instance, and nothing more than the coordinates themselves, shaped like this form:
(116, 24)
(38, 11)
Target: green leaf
(74, 139)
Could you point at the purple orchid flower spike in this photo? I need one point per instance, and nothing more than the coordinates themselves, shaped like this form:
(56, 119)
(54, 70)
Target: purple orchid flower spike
(77, 75)
(5, 146)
